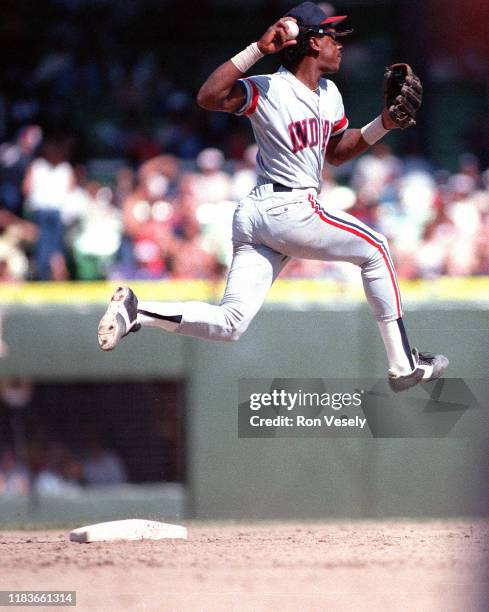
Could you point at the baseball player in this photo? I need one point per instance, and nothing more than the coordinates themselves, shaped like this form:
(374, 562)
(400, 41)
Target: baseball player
(298, 120)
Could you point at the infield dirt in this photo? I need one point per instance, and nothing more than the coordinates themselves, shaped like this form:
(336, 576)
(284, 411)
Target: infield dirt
(359, 566)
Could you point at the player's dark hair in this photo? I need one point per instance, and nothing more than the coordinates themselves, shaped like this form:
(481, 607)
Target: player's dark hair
(291, 56)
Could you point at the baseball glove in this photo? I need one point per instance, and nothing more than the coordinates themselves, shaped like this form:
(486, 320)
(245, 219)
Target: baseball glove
(403, 93)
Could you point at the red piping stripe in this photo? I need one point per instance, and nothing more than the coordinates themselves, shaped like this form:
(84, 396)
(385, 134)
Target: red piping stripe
(254, 100)
(339, 125)
(369, 240)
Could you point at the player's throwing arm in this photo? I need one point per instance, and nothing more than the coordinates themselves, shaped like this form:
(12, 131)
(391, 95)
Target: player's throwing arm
(221, 92)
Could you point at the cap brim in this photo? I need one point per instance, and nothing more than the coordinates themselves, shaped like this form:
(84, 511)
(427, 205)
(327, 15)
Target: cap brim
(334, 20)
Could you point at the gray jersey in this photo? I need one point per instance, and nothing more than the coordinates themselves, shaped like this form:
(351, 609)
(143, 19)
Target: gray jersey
(292, 126)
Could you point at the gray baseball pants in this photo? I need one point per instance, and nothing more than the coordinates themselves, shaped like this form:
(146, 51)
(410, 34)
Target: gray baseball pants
(268, 229)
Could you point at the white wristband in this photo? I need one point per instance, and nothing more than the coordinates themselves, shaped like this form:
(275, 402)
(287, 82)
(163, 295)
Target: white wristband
(245, 59)
(374, 131)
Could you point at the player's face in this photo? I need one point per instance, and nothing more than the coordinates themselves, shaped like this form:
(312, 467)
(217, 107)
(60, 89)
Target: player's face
(329, 57)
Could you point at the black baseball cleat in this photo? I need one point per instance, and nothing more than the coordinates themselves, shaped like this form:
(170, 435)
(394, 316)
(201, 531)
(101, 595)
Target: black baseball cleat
(428, 367)
(119, 319)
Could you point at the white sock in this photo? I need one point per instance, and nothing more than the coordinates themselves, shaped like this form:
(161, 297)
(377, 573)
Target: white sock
(164, 309)
(399, 362)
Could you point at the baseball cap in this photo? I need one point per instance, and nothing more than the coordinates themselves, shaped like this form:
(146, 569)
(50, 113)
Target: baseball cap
(311, 16)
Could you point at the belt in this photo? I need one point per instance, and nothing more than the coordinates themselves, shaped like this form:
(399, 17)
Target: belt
(279, 187)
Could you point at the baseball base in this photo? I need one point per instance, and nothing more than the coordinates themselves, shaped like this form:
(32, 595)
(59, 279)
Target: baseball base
(127, 529)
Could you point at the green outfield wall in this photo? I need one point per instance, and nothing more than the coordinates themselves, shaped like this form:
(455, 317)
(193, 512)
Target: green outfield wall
(232, 478)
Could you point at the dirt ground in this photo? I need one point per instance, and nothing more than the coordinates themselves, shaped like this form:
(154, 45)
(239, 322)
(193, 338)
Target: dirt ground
(359, 566)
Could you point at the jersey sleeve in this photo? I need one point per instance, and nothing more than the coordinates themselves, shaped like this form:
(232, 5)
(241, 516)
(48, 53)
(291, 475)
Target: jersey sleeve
(340, 119)
(253, 88)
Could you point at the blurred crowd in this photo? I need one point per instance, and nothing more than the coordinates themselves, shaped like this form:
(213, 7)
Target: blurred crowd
(165, 219)
(130, 179)
(55, 439)
(41, 463)
(169, 218)
(109, 170)
(54, 469)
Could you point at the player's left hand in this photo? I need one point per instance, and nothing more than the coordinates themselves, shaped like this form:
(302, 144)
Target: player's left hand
(276, 37)
(403, 94)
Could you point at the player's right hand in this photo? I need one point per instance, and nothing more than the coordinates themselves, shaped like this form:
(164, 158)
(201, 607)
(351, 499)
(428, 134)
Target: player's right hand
(275, 38)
